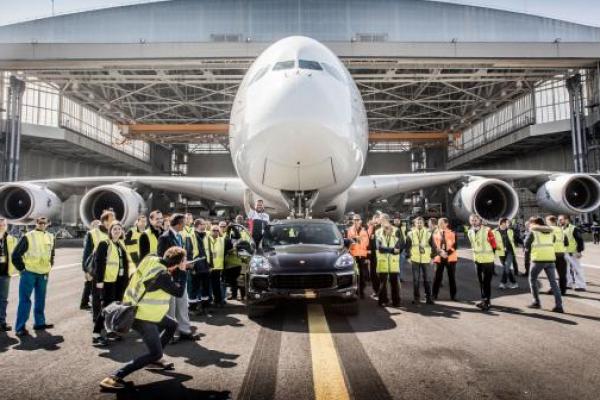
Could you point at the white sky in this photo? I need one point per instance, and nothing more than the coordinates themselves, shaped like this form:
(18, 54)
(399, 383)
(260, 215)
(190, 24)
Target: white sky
(580, 11)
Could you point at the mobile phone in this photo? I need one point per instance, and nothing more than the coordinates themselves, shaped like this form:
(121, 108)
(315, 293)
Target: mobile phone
(195, 260)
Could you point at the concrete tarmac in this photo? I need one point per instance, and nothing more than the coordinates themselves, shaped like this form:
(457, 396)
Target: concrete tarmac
(450, 350)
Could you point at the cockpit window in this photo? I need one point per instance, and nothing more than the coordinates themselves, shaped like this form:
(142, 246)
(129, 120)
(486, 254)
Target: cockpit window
(332, 71)
(259, 74)
(281, 65)
(307, 64)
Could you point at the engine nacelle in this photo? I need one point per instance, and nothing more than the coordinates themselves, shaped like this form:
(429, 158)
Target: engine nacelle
(489, 198)
(22, 203)
(125, 202)
(570, 194)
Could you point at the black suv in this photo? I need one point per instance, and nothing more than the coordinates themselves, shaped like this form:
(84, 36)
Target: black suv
(302, 259)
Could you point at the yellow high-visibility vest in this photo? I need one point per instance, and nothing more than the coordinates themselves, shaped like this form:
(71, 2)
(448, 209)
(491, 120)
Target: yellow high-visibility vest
(500, 250)
(113, 261)
(218, 250)
(542, 248)
(11, 243)
(572, 246)
(97, 236)
(133, 249)
(39, 252)
(386, 262)
(559, 240)
(154, 305)
(482, 249)
(153, 240)
(420, 238)
(188, 231)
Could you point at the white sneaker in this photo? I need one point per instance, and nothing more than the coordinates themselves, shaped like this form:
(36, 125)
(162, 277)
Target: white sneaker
(502, 286)
(513, 286)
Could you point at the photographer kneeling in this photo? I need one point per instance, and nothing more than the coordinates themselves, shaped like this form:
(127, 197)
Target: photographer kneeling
(151, 287)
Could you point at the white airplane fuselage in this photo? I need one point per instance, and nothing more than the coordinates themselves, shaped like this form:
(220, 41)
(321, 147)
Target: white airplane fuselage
(298, 125)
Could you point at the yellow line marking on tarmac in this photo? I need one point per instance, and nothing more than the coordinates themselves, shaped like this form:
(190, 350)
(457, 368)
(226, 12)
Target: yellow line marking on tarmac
(328, 378)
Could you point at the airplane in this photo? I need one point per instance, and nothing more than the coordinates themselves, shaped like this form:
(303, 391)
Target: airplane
(298, 140)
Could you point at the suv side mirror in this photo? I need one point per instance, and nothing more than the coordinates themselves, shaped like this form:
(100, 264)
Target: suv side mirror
(347, 243)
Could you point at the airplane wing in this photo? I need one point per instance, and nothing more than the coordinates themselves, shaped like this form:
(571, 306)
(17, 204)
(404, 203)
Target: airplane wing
(23, 201)
(557, 191)
(228, 191)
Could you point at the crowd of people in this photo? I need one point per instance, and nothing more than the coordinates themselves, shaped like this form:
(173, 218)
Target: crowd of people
(382, 246)
(173, 266)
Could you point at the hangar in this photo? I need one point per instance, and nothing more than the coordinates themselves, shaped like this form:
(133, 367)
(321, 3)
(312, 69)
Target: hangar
(149, 88)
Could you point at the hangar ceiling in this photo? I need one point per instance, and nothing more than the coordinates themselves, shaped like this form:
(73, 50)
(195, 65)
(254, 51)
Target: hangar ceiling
(400, 96)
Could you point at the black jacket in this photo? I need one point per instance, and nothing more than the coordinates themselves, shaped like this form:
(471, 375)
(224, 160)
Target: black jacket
(201, 265)
(21, 249)
(167, 240)
(145, 242)
(101, 258)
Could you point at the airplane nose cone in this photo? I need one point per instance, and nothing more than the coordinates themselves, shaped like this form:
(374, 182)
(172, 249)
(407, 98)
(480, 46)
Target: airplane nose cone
(299, 95)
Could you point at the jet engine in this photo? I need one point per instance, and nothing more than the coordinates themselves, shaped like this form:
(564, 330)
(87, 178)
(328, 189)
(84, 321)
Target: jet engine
(125, 202)
(570, 194)
(491, 199)
(22, 203)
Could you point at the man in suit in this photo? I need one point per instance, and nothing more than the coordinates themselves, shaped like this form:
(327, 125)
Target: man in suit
(179, 307)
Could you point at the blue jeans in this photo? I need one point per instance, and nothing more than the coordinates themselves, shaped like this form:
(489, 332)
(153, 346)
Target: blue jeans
(419, 270)
(28, 283)
(402, 261)
(4, 285)
(534, 272)
(507, 264)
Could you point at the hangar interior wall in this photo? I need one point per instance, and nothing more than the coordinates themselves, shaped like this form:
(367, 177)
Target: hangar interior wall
(38, 165)
(556, 158)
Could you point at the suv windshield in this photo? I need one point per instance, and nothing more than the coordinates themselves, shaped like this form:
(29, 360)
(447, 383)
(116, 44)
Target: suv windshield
(313, 233)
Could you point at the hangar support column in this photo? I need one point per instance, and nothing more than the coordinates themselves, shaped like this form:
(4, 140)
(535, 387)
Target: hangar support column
(578, 135)
(12, 131)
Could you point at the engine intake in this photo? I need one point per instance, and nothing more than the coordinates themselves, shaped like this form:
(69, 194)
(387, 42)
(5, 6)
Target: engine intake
(126, 203)
(23, 203)
(490, 199)
(570, 194)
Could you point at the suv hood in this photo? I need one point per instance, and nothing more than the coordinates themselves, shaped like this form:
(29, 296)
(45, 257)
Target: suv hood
(304, 258)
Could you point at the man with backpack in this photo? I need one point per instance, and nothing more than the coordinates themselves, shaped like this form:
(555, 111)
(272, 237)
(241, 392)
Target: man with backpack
(151, 287)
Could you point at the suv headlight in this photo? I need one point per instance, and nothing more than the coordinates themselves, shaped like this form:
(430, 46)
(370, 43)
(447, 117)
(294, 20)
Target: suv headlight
(345, 261)
(259, 265)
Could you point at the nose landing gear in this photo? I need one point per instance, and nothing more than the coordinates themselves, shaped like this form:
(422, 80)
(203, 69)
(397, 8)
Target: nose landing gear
(300, 203)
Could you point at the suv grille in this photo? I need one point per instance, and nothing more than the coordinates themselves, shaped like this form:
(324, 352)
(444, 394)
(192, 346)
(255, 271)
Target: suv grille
(322, 281)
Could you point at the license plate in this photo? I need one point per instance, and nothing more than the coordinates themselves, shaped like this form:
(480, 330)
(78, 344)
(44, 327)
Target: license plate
(310, 294)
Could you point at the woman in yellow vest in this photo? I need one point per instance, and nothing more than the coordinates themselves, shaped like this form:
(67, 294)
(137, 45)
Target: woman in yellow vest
(389, 246)
(419, 245)
(7, 245)
(540, 243)
(148, 241)
(151, 287)
(112, 265)
(33, 257)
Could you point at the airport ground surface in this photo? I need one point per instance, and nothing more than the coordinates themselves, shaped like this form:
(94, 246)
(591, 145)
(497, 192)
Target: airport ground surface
(447, 351)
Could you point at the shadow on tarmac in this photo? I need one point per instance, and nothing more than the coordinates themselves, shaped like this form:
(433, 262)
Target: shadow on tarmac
(6, 341)
(171, 388)
(41, 341)
(192, 353)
